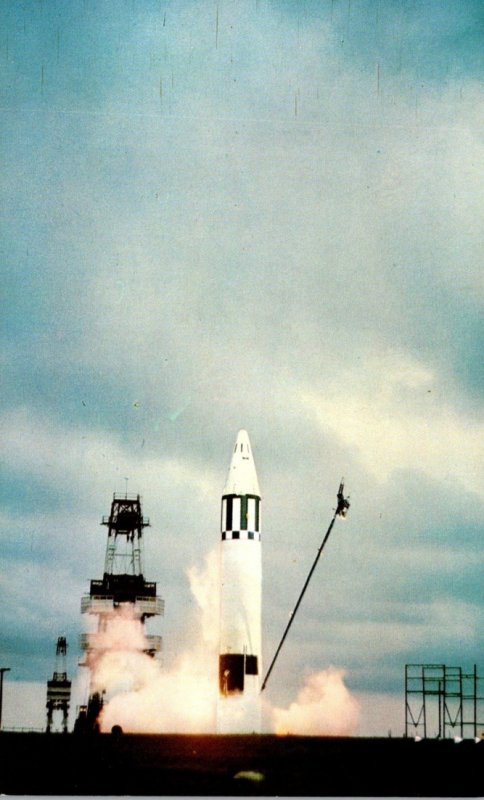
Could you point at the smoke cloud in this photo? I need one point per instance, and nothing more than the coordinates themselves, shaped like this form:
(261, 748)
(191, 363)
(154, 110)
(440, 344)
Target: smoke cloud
(204, 585)
(181, 700)
(143, 696)
(324, 706)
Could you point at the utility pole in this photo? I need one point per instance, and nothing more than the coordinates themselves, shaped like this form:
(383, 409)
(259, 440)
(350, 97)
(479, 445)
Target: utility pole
(2, 671)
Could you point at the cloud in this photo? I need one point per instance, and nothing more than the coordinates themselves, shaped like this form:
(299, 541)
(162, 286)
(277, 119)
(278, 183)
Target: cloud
(394, 412)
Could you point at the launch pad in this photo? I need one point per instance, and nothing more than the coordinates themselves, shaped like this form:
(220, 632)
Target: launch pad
(247, 765)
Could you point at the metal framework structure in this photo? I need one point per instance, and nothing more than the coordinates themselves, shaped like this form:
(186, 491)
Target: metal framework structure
(59, 688)
(122, 587)
(442, 701)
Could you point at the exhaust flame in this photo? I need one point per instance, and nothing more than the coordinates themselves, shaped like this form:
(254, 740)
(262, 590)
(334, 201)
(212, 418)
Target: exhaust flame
(143, 697)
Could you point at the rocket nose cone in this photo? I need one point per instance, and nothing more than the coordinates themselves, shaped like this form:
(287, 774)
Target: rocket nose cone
(242, 439)
(242, 476)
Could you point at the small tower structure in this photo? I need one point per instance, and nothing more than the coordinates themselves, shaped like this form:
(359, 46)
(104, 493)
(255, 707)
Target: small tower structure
(59, 688)
(123, 586)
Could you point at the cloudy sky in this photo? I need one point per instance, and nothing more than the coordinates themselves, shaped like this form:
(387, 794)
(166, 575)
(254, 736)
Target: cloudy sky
(247, 213)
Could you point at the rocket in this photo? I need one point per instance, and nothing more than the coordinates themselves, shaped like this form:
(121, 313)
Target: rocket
(239, 702)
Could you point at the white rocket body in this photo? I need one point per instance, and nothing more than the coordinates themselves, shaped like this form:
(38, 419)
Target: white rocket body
(239, 703)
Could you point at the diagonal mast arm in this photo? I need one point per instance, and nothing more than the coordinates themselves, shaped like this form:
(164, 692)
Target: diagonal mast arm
(293, 614)
(341, 509)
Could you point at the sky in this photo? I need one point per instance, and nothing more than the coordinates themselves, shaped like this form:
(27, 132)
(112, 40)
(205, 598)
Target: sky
(258, 214)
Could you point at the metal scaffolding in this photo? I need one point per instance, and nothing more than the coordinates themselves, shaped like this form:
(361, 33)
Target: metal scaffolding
(122, 593)
(442, 701)
(123, 582)
(59, 688)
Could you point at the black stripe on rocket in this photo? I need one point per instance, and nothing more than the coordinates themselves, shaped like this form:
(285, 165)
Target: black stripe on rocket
(240, 515)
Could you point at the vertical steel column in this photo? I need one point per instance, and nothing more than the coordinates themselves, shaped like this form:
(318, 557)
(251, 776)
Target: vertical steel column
(406, 700)
(424, 702)
(440, 702)
(445, 700)
(461, 702)
(2, 671)
(475, 700)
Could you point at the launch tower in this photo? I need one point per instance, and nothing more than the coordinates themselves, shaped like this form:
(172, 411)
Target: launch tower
(59, 688)
(123, 589)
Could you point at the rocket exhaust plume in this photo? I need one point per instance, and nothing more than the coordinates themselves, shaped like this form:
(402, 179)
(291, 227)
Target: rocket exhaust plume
(239, 704)
(143, 697)
(324, 707)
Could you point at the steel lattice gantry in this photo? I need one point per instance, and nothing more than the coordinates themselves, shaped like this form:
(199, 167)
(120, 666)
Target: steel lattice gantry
(441, 701)
(123, 589)
(59, 688)
(123, 581)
